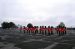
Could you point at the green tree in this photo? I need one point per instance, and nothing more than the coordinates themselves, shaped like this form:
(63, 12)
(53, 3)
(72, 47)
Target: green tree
(5, 25)
(29, 25)
(12, 25)
(8, 25)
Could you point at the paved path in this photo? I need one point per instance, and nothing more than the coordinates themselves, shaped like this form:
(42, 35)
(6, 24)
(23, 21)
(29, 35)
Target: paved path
(51, 46)
(54, 44)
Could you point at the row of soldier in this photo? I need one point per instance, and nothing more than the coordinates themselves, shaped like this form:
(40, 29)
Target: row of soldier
(45, 32)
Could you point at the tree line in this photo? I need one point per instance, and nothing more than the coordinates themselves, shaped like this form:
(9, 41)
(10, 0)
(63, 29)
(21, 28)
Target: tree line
(6, 25)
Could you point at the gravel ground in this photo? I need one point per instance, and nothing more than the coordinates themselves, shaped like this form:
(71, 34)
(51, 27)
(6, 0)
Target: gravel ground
(14, 39)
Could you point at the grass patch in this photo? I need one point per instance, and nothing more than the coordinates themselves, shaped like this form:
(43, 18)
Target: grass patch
(33, 45)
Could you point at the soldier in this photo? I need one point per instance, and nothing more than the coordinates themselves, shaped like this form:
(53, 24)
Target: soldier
(24, 29)
(37, 29)
(49, 30)
(52, 30)
(45, 30)
(40, 29)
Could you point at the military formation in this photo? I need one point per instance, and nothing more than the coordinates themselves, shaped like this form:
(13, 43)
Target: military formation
(44, 30)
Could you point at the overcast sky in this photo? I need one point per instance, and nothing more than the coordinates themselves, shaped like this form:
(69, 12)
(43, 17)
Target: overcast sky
(38, 12)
